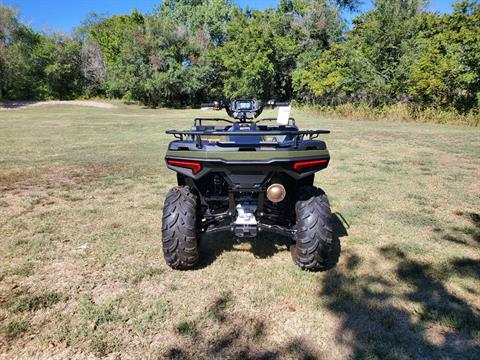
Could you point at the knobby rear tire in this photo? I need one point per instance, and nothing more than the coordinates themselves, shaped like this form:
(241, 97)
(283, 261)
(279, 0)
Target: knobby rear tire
(314, 238)
(179, 228)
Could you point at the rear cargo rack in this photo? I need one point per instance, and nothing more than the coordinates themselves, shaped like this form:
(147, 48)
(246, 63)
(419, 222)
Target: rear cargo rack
(311, 133)
(196, 135)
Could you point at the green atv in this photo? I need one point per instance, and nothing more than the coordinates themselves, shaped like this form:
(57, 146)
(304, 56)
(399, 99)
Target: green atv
(245, 176)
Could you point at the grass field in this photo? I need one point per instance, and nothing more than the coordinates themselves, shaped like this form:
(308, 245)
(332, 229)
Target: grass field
(82, 274)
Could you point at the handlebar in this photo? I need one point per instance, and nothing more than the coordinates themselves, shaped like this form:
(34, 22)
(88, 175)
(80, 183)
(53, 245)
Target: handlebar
(217, 105)
(243, 109)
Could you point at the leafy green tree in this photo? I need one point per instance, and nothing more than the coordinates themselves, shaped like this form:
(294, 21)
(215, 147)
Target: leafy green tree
(303, 30)
(247, 58)
(379, 33)
(121, 40)
(63, 75)
(365, 66)
(8, 22)
(206, 20)
(339, 75)
(268, 46)
(163, 59)
(12, 68)
(446, 71)
(114, 33)
(35, 65)
(182, 36)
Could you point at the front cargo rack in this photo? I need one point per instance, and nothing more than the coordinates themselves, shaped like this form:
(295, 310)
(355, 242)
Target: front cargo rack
(296, 135)
(199, 120)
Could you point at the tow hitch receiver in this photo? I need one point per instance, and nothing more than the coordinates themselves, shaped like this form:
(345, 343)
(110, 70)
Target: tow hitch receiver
(246, 223)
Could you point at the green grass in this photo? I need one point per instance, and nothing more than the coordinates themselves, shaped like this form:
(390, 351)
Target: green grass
(36, 302)
(81, 194)
(14, 328)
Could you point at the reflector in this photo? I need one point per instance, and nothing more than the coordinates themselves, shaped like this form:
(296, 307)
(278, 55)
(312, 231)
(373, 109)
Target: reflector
(194, 166)
(299, 166)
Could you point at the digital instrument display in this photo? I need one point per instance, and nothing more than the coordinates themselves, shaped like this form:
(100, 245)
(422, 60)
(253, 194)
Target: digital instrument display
(244, 105)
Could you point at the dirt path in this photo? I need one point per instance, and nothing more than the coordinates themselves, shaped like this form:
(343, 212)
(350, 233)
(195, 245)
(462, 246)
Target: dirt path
(14, 105)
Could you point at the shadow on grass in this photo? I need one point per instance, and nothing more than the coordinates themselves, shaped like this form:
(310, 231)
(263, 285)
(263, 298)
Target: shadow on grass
(220, 333)
(339, 231)
(434, 324)
(266, 244)
(466, 235)
(16, 104)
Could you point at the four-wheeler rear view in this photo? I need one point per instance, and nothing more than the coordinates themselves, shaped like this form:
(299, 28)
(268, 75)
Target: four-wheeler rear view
(245, 176)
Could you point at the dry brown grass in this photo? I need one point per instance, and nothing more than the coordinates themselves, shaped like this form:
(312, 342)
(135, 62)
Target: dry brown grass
(399, 112)
(82, 275)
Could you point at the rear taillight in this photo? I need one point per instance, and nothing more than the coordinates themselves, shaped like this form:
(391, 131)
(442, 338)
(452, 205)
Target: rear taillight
(192, 165)
(301, 165)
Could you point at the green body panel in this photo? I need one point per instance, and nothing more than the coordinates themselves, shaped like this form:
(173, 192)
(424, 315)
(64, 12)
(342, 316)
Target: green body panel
(262, 155)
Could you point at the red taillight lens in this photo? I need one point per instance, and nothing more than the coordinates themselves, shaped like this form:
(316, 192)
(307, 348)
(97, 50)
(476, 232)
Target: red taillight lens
(192, 165)
(299, 166)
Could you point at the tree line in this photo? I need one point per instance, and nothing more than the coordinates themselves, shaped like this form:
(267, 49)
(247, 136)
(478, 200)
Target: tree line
(188, 51)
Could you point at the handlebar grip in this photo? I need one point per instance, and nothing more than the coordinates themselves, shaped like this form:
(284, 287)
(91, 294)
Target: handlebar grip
(216, 105)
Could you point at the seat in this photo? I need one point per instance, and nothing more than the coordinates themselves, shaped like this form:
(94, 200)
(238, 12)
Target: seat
(252, 140)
